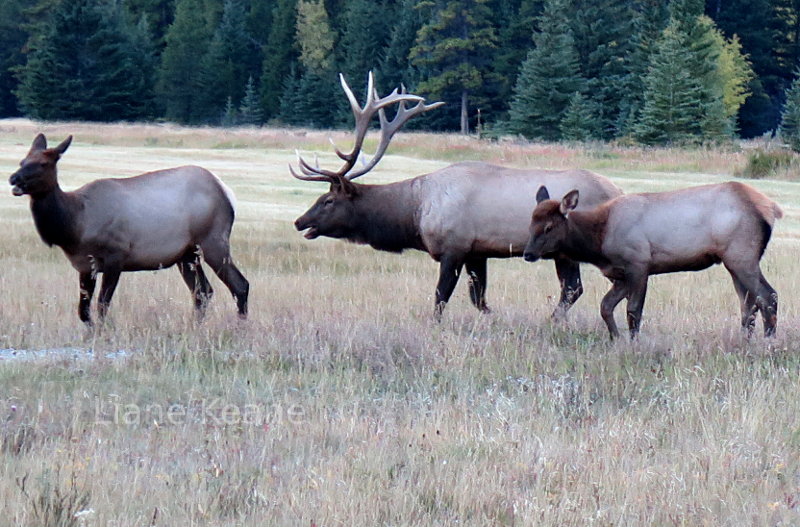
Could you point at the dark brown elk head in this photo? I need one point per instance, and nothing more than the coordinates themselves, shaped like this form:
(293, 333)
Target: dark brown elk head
(37, 172)
(549, 226)
(334, 213)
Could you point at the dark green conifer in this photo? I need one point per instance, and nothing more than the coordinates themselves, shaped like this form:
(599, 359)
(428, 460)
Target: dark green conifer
(87, 65)
(548, 79)
(790, 119)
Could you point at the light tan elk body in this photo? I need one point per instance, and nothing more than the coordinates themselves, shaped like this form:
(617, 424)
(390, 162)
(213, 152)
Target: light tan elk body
(141, 223)
(460, 215)
(638, 235)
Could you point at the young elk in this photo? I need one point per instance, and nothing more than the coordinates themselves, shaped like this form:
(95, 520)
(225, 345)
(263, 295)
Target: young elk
(460, 215)
(141, 223)
(638, 235)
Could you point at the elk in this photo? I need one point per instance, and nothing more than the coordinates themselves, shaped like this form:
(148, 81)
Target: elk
(460, 215)
(637, 235)
(141, 223)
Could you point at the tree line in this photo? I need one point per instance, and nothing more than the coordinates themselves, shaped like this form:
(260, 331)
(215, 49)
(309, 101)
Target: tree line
(645, 70)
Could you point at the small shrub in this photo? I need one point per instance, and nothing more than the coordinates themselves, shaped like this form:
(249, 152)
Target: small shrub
(767, 164)
(55, 502)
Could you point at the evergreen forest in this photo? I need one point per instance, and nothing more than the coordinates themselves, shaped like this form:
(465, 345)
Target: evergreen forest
(649, 71)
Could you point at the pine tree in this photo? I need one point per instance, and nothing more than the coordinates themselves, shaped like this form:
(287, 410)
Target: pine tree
(259, 25)
(158, 14)
(279, 56)
(735, 73)
(699, 37)
(187, 40)
(86, 66)
(313, 100)
(250, 109)
(602, 30)
(223, 70)
(715, 69)
(790, 119)
(580, 122)
(514, 41)
(455, 50)
(146, 60)
(290, 106)
(365, 31)
(314, 36)
(548, 79)
(229, 116)
(762, 33)
(12, 39)
(673, 110)
(649, 22)
(395, 68)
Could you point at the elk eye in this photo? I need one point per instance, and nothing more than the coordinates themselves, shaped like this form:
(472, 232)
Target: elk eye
(548, 228)
(328, 201)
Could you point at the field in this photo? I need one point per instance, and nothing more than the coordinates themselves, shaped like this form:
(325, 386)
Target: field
(341, 402)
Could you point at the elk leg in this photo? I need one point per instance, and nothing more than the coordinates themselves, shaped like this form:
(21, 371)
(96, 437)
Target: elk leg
(763, 295)
(107, 287)
(87, 282)
(219, 258)
(449, 271)
(637, 290)
(747, 301)
(618, 291)
(476, 269)
(769, 307)
(569, 276)
(192, 272)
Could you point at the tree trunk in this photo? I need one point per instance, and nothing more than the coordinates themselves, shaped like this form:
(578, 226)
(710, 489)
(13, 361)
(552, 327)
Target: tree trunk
(464, 116)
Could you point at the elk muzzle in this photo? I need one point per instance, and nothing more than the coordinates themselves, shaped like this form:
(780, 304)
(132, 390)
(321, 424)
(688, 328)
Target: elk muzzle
(16, 184)
(302, 223)
(533, 250)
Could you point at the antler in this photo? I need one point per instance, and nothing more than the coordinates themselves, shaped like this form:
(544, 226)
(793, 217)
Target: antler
(363, 116)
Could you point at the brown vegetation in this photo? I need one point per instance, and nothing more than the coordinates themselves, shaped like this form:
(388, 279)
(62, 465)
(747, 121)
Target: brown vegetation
(339, 402)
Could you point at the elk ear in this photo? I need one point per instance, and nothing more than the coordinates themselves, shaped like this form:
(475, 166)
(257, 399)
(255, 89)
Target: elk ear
(569, 202)
(342, 185)
(542, 194)
(39, 144)
(60, 149)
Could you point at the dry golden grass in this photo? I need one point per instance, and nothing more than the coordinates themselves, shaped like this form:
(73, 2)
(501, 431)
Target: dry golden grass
(340, 403)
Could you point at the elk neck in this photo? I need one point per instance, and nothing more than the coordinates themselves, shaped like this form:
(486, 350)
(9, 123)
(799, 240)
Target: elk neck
(56, 215)
(585, 234)
(387, 217)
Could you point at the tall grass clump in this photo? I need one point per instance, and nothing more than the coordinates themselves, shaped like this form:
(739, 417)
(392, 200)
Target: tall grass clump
(763, 164)
(54, 500)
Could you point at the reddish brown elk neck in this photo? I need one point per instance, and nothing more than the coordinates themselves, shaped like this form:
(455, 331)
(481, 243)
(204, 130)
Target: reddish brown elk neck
(638, 235)
(147, 222)
(461, 215)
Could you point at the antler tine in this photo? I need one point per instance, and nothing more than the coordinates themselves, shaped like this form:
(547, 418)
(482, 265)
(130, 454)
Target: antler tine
(389, 128)
(363, 116)
(310, 173)
(308, 178)
(350, 97)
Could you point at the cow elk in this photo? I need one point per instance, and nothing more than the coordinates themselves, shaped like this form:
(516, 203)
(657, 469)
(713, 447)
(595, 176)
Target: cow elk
(460, 215)
(142, 223)
(638, 235)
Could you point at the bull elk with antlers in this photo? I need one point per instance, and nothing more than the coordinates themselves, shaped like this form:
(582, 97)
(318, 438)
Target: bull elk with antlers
(638, 235)
(461, 215)
(142, 223)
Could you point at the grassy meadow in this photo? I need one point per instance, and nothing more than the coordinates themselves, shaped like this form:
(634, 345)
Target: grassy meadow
(340, 401)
